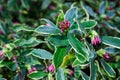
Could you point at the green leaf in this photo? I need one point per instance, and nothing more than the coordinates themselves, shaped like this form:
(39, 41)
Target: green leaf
(79, 63)
(84, 76)
(51, 23)
(3, 79)
(9, 55)
(60, 17)
(58, 41)
(45, 4)
(3, 27)
(88, 9)
(109, 70)
(48, 30)
(111, 41)
(37, 75)
(102, 7)
(80, 58)
(60, 75)
(68, 59)
(89, 24)
(42, 54)
(71, 14)
(93, 73)
(59, 55)
(25, 4)
(11, 3)
(112, 26)
(27, 43)
(20, 27)
(78, 46)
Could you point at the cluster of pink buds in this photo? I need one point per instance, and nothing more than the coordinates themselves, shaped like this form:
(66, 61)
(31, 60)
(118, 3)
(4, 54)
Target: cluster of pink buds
(33, 69)
(2, 54)
(106, 55)
(51, 68)
(64, 25)
(95, 39)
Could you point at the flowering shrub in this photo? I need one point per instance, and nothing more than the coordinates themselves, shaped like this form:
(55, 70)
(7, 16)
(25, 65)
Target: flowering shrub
(69, 47)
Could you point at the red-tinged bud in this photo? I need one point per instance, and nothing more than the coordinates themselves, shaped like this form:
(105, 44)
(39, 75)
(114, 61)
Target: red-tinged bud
(29, 71)
(107, 17)
(106, 55)
(110, 8)
(2, 54)
(1, 32)
(52, 7)
(34, 69)
(71, 72)
(13, 58)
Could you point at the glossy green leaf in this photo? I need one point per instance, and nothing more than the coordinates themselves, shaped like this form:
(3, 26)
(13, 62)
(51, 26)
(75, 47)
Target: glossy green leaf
(45, 4)
(51, 23)
(20, 27)
(93, 73)
(9, 55)
(102, 7)
(68, 59)
(79, 63)
(71, 14)
(42, 54)
(37, 75)
(59, 55)
(89, 24)
(3, 79)
(80, 58)
(11, 3)
(3, 28)
(84, 76)
(25, 4)
(48, 30)
(109, 70)
(60, 17)
(78, 46)
(88, 9)
(60, 75)
(58, 40)
(27, 43)
(111, 41)
(112, 26)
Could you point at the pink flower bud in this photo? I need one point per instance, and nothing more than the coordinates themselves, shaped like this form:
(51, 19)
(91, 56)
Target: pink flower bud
(29, 71)
(52, 7)
(2, 54)
(106, 55)
(110, 8)
(34, 69)
(48, 24)
(1, 32)
(107, 17)
(51, 68)
(71, 72)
